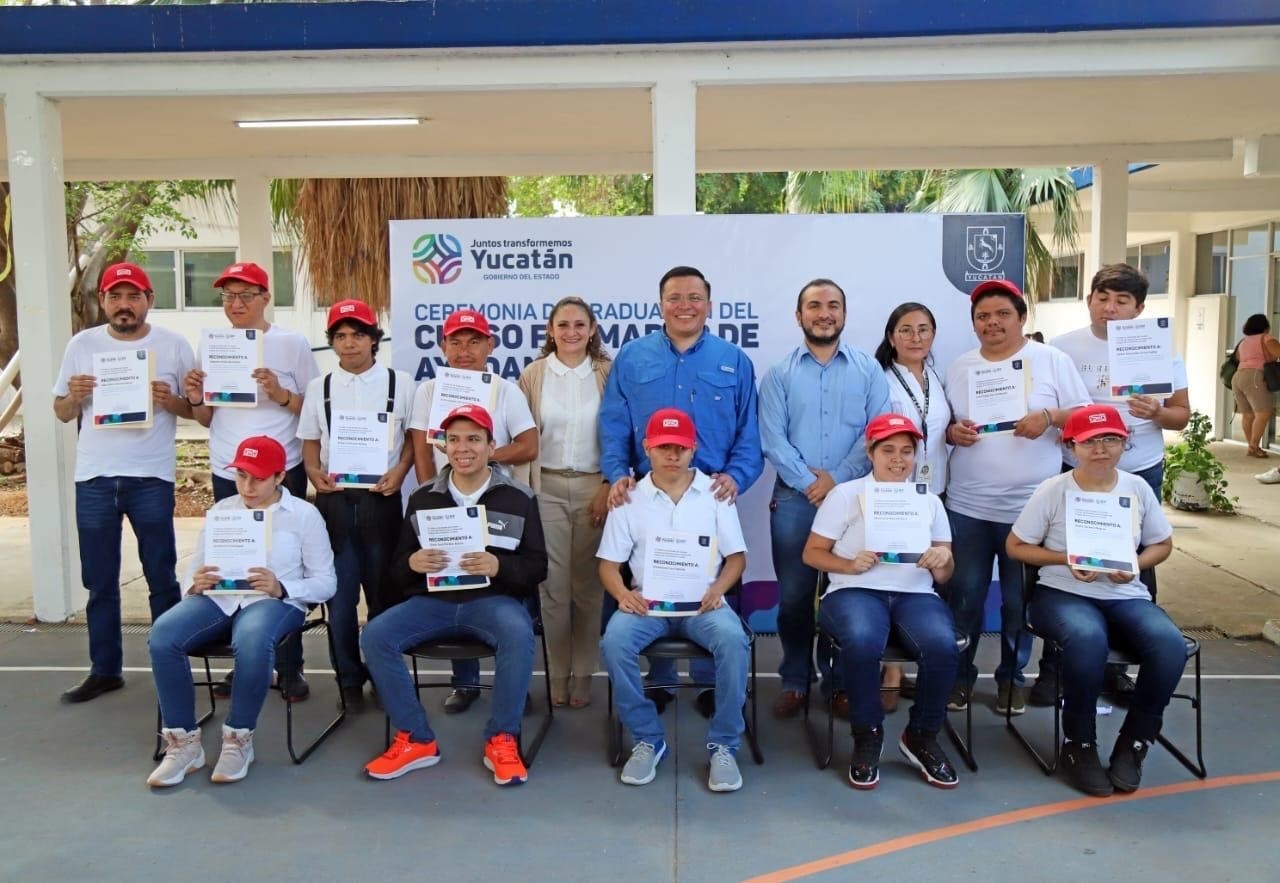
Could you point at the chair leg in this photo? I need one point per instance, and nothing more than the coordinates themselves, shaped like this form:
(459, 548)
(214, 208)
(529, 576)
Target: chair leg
(528, 755)
(1049, 765)
(288, 714)
(821, 755)
(613, 731)
(963, 746)
(1196, 768)
(753, 741)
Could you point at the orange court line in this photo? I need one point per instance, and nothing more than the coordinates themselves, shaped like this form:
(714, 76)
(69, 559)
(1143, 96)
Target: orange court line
(1027, 814)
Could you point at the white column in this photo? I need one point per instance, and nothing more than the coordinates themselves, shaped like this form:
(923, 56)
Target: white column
(1108, 235)
(675, 113)
(253, 201)
(33, 135)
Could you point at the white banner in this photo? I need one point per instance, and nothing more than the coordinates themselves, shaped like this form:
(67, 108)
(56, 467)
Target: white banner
(514, 270)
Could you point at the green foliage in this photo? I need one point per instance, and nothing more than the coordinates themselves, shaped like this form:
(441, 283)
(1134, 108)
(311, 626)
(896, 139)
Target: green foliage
(111, 215)
(741, 193)
(860, 190)
(1192, 455)
(613, 195)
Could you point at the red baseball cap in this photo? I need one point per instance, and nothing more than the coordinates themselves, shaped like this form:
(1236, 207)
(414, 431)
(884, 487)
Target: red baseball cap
(1093, 420)
(476, 414)
(118, 274)
(671, 426)
(260, 456)
(244, 272)
(466, 320)
(995, 286)
(885, 425)
(357, 310)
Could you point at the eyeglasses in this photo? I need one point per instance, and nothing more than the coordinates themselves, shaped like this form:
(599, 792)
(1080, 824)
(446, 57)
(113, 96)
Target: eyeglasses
(923, 333)
(693, 300)
(245, 297)
(1106, 442)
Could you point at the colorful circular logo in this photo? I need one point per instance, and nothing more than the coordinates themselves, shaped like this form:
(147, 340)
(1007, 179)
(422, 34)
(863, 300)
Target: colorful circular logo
(437, 258)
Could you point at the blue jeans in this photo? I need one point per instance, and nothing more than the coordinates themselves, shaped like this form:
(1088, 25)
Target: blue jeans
(719, 631)
(861, 619)
(100, 505)
(1084, 627)
(254, 631)
(790, 520)
(500, 621)
(974, 544)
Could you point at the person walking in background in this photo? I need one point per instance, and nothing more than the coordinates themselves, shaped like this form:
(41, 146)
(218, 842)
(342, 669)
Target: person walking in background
(564, 387)
(1254, 401)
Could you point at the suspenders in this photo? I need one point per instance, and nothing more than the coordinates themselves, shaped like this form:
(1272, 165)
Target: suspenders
(391, 398)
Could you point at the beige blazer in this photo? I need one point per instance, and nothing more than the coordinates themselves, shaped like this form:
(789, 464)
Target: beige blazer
(530, 384)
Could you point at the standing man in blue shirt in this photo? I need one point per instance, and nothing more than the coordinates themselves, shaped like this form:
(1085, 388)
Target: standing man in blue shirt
(814, 409)
(684, 366)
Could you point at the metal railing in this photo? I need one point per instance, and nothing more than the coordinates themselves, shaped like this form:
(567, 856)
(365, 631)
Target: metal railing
(6, 383)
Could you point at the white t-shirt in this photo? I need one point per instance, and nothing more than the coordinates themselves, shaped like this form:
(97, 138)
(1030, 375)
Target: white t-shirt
(627, 529)
(993, 478)
(510, 418)
(357, 392)
(932, 450)
(1044, 522)
(140, 453)
(1146, 439)
(841, 518)
(288, 354)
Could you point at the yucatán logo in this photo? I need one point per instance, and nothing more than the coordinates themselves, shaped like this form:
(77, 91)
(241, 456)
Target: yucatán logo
(984, 250)
(437, 258)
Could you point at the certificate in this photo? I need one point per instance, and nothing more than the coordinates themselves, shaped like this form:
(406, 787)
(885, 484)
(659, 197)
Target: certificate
(1100, 532)
(1140, 357)
(358, 446)
(454, 387)
(678, 567)
(454, 531)
(228, 358)
(998, 395)
(899, 519)
(122, 394)
(234, 541)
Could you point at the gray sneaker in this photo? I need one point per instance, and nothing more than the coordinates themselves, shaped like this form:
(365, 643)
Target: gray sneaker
(183, 754)
(642, 765)
(237, 754)
(724, 774)
(1011, 694)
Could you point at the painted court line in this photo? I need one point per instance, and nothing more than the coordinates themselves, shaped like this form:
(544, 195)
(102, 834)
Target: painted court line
(1027, 814)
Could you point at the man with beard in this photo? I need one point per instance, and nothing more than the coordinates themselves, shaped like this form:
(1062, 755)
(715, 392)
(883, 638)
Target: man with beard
(123, 470)
(814, 409)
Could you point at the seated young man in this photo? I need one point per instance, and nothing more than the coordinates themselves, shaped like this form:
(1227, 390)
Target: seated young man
(1083, 609)
(674, 497)
(299, 572)
(514, 563)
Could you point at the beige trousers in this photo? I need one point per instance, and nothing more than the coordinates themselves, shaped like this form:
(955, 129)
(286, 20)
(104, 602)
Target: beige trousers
(572, 595)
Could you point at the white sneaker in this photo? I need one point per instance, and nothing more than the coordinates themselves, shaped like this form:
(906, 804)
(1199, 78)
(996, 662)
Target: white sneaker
(183, 754)
(237, 754)
(1271, 476)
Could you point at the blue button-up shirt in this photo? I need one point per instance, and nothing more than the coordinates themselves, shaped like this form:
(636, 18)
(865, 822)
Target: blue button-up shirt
(816, 415)
(713, 381)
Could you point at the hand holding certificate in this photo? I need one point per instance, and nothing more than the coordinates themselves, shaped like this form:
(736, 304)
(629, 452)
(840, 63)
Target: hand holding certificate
(1100, 532)
(997, 395)
(228, 358)
(235, 541)
(359, 443)
(122, 389)
(897, 520)
(1140, 357)
(454, 387)
(446, 536)
(678, 568)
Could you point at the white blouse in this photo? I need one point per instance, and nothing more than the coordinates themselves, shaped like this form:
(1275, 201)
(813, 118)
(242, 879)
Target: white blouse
(933, 450)
(570, 412)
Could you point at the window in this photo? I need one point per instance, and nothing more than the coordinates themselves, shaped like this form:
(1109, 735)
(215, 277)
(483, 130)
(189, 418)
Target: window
(1152, 259)
(193, 287)
(1066, 278)
(1249, 241)
(1211, 263)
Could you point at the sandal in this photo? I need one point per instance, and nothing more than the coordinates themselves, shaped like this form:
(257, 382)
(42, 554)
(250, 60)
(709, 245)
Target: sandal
(579, 701)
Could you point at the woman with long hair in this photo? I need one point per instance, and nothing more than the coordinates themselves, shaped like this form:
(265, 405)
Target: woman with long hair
(1254, 401)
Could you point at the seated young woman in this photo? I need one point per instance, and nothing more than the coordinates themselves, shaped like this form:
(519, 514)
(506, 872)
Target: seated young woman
(1082, 609)
(869, 596)
(299, 572)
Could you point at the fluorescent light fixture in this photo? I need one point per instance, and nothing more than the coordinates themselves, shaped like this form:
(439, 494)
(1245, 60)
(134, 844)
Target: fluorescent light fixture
(334, 123)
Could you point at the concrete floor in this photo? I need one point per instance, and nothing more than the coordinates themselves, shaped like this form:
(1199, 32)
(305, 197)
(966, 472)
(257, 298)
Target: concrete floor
(75, 805)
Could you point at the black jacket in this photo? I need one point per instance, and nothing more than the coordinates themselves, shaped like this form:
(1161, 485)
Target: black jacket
(520, 570)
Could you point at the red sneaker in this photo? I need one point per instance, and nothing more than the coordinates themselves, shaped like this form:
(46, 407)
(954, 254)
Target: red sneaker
(502, 755)
(403, 757)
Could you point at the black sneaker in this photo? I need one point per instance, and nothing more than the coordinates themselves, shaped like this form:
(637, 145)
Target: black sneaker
(222, 689)
(353, 698)
(661, 698)
(92, 687)
(705, 702)
(924, 753)
(1118, 685)
(460, 699)
(959, 698)
(1126, 762)
(864, 766)
(1043, 694)
(1083, 769)
(297, 690)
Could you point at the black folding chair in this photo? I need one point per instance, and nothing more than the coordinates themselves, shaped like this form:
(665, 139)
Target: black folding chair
(894, 653)
(462, 647)
(222, 650)
(1115, 656)
(682, 648)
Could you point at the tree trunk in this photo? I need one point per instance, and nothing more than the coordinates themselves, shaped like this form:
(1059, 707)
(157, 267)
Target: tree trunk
(8, 281)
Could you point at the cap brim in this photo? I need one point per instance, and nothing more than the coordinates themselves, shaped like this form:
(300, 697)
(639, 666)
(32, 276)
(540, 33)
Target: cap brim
(143, 285)
(228, 277)
(485, 332)
(485, 426)
(254, 468)
(681, 440)
(1095, 431)
(881, 436)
